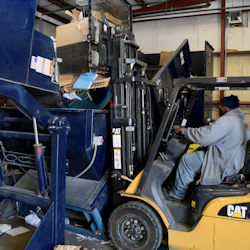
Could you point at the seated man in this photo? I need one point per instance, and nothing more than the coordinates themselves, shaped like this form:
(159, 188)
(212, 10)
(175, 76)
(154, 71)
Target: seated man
(226, 141)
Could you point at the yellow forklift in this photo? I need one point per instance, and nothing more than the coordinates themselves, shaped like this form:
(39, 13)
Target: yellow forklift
(145, 150)
(211, 217)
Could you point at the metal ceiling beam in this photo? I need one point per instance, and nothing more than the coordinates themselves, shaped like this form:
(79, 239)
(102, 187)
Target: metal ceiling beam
(61, 4)
(45, 12)
(141, 2)
(48, 19)
(169, 5)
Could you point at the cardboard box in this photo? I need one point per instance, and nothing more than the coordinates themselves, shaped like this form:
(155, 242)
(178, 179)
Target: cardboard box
(72, 33)
(71, 42)
(78, 29)
(68, 88)
(109, 17)
(91, 81)
(164, 56)
(67, 80)
(100, 82)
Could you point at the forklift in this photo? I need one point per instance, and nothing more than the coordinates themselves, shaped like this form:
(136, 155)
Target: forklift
(143, 150)
(146, 152)
(209, 213)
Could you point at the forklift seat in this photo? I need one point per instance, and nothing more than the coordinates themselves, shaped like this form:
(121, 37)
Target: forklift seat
(244, 172)
(202, 194)
(246, 168)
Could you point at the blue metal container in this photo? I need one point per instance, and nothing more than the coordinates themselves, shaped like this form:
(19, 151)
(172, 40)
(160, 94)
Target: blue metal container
(41, 46)
(19, 42)
(85, 125)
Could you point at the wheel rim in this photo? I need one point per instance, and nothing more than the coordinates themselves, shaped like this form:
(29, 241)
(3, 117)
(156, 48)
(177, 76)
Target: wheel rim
(133, 230)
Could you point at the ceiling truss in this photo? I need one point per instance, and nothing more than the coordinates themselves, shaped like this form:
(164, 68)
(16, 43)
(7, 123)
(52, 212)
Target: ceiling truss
(145, 7)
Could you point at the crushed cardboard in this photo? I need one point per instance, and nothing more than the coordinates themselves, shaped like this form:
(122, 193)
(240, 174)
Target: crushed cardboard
(68, 88)
(67, 80)
(67, 247)
(76, 32)
(108, 16)
(86, 82)
(75, 14)
(72, 33)
(100, 82)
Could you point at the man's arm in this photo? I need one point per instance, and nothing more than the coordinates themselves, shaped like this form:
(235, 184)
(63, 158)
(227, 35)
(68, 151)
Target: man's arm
(210, 134)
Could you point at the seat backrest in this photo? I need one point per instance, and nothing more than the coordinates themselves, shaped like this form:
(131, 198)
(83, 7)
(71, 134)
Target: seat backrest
(246, 168)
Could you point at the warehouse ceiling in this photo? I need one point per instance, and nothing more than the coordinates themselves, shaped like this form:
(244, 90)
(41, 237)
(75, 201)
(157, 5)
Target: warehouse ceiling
(54, 10)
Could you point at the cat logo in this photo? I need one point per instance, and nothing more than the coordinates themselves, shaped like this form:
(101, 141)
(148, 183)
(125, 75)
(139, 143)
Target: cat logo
(236, 211)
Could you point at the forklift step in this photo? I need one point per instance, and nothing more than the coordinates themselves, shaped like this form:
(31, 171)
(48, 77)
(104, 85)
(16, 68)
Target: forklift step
(180, 227)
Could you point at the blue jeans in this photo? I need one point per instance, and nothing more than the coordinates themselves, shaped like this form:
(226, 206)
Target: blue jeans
(189, 166)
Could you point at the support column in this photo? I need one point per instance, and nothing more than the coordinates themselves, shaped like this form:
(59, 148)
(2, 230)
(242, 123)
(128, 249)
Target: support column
(222, 49)
(59, 128)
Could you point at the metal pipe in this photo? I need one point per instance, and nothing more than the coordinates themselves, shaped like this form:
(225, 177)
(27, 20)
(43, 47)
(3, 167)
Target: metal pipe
(170, 13)
(176, 5)
(197, 6)
(138, 125)
(35, 131)
(232, 53)
(204, 10)
(39, 156)
(144, 126)
(40, 165)
(129, 96)
(151, 3)
(222, 48)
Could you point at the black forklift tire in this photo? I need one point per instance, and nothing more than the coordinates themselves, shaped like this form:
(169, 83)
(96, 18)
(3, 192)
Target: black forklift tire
(134, 225)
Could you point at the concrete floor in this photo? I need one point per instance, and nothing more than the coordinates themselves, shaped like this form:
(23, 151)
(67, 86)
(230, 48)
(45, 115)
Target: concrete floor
(86, 242)
(93, 244)
(8, 242)
(19, 242)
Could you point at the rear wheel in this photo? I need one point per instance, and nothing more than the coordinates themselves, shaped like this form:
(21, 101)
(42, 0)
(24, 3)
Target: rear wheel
(134, 225)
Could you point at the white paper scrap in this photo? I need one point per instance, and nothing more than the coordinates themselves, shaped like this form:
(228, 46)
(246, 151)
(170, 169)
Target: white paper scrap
(33, 220)
(17, 231)
(72, 96)
(4, 228)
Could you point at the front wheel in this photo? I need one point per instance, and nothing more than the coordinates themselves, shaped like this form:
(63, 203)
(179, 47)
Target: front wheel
(134, 225)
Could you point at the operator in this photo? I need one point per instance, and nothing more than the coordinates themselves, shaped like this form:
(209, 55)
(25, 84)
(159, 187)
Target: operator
(225, 140)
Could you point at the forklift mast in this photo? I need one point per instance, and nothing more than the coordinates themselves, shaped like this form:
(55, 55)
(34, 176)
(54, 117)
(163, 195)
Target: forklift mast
(112, 48)
(137, 105)
(130, 111)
